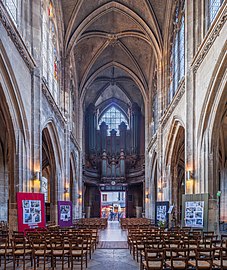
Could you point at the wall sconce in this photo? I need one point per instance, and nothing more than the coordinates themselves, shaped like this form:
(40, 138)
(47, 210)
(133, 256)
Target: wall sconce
(160, 190)
(189, 175)
(36, 181)
(36, 176)
(79, 196)
(147, 196)
(66, 190)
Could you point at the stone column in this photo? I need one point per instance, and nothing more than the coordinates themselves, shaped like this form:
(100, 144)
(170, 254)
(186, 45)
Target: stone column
(189, 86)
(135, 127)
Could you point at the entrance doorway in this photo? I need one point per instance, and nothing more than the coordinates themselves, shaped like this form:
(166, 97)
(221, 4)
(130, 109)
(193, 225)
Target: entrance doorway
(113, 205)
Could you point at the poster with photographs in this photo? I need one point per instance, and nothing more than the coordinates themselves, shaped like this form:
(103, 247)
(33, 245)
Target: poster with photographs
(194, 213)
(31, 211)
(65, 212)
(161, 213)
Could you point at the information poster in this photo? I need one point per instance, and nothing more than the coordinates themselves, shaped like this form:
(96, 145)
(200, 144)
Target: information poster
(161, 213)
(64, 213)
(31, 211)
(194, 214)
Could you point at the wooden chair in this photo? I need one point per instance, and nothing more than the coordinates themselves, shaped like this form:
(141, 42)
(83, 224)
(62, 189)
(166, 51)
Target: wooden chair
(58, 252)
(78, 252)
(20, 249)
(203, 260)
(40, 252)
(178, 259)
(153, 259)
(221, 263)
(5, 251)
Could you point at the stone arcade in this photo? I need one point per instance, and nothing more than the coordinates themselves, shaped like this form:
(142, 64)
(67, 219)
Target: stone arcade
(118, 95)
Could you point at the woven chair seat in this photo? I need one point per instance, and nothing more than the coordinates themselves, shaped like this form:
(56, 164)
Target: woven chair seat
(154, 265)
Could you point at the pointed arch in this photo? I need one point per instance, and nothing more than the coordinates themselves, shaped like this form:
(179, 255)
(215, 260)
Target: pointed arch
(84, 87)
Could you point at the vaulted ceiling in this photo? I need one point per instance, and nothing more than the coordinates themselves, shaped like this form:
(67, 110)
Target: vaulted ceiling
(115, 44)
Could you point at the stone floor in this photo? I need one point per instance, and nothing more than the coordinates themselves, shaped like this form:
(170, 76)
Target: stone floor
(113, 232)
(114, 259)
(102, 259)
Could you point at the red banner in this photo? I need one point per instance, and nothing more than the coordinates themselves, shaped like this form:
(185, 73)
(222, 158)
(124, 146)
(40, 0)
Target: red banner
(31, 211)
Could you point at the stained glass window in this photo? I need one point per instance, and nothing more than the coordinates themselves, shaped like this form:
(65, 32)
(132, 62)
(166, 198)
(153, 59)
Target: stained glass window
(177, 57)
(11, 6)
(49, 50)
(214, 6)
(113, 117)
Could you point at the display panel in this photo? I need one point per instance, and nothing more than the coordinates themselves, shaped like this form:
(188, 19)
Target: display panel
(161, 214)
(31, 211)
(65, 213)
(194, 214)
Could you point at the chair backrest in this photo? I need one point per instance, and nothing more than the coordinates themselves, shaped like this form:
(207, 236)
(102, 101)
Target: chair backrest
(223, 256)
(154, 254)
(206, 254)
(179, 255)
(3, 242)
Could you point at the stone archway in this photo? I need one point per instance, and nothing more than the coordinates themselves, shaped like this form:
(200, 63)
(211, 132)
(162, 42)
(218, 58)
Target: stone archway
(177, 169)
(73, 185)
(4, 167)
(49, 173)
(222, 169)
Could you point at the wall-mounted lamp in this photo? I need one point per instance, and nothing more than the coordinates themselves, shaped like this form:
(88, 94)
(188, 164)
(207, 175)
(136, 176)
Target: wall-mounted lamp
(189, 175)
(66, 190)
(36, 181)
(160, 190)
(147, 196)
(79, 196)
(36, 176)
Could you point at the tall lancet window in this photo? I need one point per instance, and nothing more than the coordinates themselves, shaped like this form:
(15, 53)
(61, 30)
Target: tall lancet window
(12, 6)
(177, 56)
(213, 8)
(50, 55)
(113, 117)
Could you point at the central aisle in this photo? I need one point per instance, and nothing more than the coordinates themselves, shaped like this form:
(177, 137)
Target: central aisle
(113, 232)
(116, 258)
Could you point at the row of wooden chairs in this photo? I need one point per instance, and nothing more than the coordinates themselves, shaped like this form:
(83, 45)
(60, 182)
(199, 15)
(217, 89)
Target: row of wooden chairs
(48, 247)
(179, 258)
(182, 248)
(99, 223)
(127, 223)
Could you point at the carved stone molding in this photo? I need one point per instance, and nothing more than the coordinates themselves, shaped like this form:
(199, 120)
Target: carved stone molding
(53, 104)
(209, 40)
(152, 141)
(173, 104)
(16, 38)
(74, 141)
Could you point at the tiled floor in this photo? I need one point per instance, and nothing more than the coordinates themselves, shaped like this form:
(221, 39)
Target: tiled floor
(113, 232)
(103, 259)
(114, 259)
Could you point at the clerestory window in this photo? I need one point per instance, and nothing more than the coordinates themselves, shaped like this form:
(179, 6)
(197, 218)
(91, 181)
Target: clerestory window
(113, 117)
(177, 57)
(50, 54)
(11, 6)
(213, 8)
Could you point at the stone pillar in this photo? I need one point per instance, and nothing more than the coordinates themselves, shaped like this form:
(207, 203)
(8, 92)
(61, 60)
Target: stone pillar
(91, 127)
(189, 86)
(135, 127)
